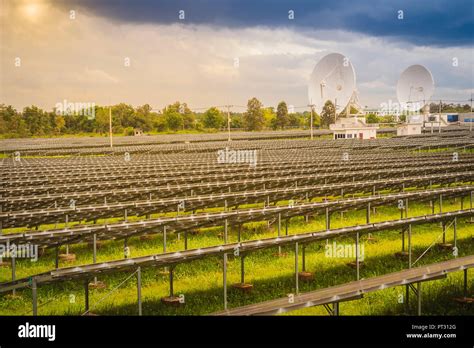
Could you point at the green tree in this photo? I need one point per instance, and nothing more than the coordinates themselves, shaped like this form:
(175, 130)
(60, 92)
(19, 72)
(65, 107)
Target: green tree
(254, 119)
(282, 119)
(213, 118)
(371, 118)
(269, 116)
(174, 120)
(186, 119)
(327, 115)
(59, 123)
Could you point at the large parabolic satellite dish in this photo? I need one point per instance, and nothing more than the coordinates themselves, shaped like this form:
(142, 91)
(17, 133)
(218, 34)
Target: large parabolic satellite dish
(415, 87)
(333, 79)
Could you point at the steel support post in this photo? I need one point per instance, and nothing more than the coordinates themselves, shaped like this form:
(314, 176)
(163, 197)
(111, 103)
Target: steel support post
(56, 257)
(296, 269)
(465, 282)
(171, 281)
(409, 246)
(368, 214)
(443, 224)
(286, 226)
(335, 308)
(455, 227)
(13, 260)
(303, 257)
(186, 240)
(279, 231)
(418, 295)
(407, 298)
(86, 295)
(328, 220)
(239, 233)
(164, 239)
(224, 279)
(139, 290)
(34, 297)
(440, 203)
(226, 223)
(242, 269)
(94, 249)
(403, 239)
(357, 256)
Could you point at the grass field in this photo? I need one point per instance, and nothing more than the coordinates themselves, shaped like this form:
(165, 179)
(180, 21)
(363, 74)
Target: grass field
(272, 276)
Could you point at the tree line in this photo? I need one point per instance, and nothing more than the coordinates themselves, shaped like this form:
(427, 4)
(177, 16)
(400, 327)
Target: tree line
(176, 117)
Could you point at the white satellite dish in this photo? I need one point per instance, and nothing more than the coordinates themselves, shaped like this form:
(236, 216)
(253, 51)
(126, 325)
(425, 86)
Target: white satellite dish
(333, 79)
(415, 88)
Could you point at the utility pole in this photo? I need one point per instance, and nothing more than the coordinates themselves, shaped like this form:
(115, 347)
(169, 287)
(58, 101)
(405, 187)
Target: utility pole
(470, 117)
(439, 120)
(335, 112)
(110, 126)
(311, 122)
(228, 121)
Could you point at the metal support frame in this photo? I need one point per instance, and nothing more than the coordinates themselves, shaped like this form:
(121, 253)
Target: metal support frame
(171, 270)
(455, 227)
(164, 239)
(407, 298)
(286, 226)
(13, 261)
(297, 290)
(403, 239)
(242, 269)
(465, 283)
(139, 290)
(303, 257)
(239, 233)
(224, 279)
(443, 225)
(368, 213)
(86, 295)
(186, 240)
(56, 257)
(357, 256)
(94, 248)
(334, 311)
(417, 291)
(279, 231)
(34, 293)
(125, 246)
(409, 246)
(226, 226)
(328, 220)
(418, 294)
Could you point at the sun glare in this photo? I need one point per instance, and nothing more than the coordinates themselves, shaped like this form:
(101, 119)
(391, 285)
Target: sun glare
(32, 10)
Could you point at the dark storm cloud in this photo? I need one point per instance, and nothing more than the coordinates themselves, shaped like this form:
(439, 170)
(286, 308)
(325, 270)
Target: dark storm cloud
(426, 22)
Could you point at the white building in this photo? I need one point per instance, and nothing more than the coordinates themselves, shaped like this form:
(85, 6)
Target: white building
(413, 126)
(353, 127)
(409, 129)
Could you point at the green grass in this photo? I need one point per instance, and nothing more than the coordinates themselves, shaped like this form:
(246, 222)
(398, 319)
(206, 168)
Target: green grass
(201, 281)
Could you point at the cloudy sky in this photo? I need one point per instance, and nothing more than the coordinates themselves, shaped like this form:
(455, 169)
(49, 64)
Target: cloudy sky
(137, 52)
